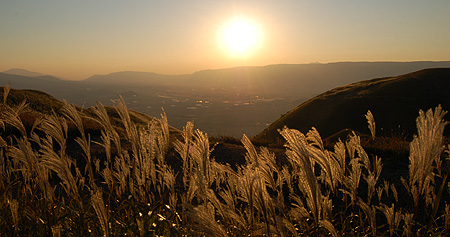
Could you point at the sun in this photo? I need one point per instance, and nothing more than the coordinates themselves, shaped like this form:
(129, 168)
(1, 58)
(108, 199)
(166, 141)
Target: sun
(240, 36)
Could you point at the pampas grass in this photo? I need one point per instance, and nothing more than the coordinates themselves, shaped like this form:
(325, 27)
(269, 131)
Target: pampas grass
(100, 210)
(424, 159)
(60, 181)
(371, 123)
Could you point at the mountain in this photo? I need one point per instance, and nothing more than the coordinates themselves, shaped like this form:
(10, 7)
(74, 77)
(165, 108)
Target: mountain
(23, 72)
(393, 101)
(30, 81)
(291, 79)
(303, 79)
(229, 101)
(133, 78)
(55, 86)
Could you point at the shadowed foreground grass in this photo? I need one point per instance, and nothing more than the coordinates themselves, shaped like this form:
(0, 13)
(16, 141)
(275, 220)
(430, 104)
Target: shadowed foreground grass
(134, 179)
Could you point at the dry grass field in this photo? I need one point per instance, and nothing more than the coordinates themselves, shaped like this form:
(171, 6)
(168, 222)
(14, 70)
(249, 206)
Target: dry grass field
(108, 171)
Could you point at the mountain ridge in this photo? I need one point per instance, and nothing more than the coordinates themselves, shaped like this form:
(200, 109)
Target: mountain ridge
(133, 77)
(228, 101)
(23, 72)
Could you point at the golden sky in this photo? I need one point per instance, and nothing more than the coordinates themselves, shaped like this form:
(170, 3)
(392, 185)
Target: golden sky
(76, 39)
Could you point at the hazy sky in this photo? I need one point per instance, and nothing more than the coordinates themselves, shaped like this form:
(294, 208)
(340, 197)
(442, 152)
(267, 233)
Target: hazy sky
(75, 39)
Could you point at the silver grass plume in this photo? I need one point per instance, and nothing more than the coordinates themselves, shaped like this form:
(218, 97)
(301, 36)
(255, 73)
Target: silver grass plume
(132, 132)
(56, 128)
(25, 160)
(122, 173)
(425, 151)
(386, 187)
(107, 175)
(393, 217)
(372, 177)
(340, 166)
(264, 166)
(321, 156)
(246, 191)
(371, 123)
(201, 163)
(301, 159)
(104, 120)
(408, 223)
(329, 226)
(370, 212)
(205, 220)
(11, 116)
(264, 162)
(62, 165)
(351, 182)
(146, 173)
(394, 192)
(32, 171)
(124, 115)
(183, 148)
(71, 113)
(379, 193)
(163, 137)
(6, 91)
(358, 160)
(100, 210)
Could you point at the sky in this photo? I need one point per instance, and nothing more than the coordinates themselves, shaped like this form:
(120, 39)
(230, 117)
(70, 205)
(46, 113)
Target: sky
(75, 39)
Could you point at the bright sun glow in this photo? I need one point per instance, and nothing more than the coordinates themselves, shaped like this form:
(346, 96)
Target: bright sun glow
(241, 37)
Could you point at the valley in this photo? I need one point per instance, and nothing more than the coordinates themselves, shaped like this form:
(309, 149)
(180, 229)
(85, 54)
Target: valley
(221, 102)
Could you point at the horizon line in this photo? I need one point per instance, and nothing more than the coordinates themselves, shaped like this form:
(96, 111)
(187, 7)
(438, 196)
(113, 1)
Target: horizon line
(227, 68)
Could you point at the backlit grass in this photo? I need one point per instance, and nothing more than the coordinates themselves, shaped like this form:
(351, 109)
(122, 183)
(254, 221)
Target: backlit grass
(78, 173)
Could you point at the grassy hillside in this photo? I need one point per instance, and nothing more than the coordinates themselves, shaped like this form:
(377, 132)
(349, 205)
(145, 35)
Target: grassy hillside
(38, 104)
(134, 178)
(393, 101)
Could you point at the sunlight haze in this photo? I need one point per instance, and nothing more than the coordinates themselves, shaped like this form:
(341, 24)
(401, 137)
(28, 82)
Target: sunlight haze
(241, 37)
(77, 39)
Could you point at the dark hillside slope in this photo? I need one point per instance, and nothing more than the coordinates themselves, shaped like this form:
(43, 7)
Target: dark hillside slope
(37, 101)
(394, 102)
(40, 104)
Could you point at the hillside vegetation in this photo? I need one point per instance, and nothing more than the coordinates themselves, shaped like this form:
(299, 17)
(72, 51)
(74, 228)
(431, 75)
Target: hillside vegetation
(394, 101)
(35, 105)
(133, 187)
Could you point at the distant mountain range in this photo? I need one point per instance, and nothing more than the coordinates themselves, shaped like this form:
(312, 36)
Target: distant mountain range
(272, 79)
(221, 102)
(394, 102)
(23, 72)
